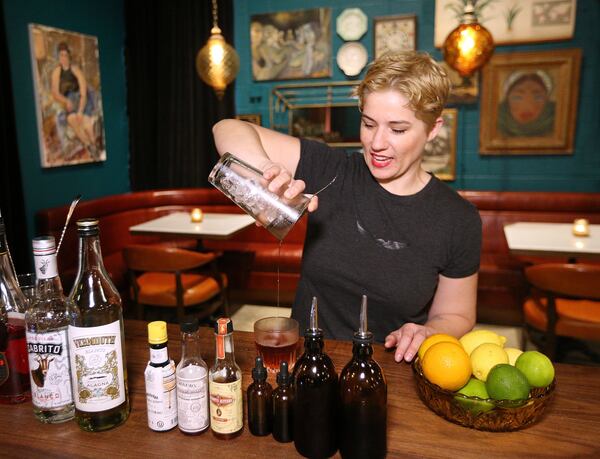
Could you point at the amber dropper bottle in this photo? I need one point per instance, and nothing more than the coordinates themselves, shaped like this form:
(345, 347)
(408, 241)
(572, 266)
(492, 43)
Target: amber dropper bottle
(260, 408)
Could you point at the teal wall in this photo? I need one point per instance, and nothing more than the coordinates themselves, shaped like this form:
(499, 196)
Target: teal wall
(577, 172)
(58, 186)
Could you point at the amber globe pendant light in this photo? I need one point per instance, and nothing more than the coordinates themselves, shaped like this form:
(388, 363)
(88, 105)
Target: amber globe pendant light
(217, 63)
(468, 47)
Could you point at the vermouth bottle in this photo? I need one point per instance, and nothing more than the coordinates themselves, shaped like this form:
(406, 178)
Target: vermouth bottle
(363, 392)
(96, 340)
(317, 396)
(14, 369)
(225, 386)
(47, 321)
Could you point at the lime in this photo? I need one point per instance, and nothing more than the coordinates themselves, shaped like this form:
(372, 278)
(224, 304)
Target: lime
(474, 388)
(475, 338)
(513, 354)
(433, 339)
(536, 367)
(486, 356)
(505, 382)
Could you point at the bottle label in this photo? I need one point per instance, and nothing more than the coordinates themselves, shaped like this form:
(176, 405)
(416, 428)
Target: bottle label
(192, 398)
(161, 396)
(97, 367)
(49, 369)
(159, 355)
(226, 411)
(45, 264)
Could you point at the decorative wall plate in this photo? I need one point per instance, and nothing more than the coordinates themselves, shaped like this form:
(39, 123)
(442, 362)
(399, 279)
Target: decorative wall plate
(352, 58)
(352, 24)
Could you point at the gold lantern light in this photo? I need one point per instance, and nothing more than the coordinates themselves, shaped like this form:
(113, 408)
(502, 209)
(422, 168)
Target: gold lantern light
(468, 47)
(217, 62)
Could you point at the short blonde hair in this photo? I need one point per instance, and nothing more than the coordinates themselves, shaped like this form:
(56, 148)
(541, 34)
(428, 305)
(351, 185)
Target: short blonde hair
(413, 74)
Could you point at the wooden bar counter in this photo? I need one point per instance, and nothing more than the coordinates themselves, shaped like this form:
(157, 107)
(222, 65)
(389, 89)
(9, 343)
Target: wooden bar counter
(569, 428)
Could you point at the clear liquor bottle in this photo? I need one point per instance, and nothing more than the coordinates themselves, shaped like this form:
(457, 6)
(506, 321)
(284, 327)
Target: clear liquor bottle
(363, 393)
(96, 340)
(225, 386)
(14, 368)
(47, 322)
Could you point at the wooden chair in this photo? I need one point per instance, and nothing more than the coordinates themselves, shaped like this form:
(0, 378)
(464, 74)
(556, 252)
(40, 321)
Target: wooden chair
(170, 277)
(565, 303)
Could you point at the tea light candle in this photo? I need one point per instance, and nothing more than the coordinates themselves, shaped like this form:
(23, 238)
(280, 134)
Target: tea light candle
(581, 227)
(197, 215)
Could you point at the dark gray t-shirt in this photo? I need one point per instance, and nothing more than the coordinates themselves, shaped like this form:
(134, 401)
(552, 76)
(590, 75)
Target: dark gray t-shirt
(364, 240)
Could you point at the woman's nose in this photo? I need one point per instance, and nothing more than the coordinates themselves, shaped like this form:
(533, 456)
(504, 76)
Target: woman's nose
(379, 140)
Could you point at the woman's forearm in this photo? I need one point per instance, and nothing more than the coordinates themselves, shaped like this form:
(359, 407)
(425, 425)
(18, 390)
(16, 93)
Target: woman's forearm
(452, 324)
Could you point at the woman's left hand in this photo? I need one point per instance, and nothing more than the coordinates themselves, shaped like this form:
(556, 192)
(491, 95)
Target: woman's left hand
(407, 340)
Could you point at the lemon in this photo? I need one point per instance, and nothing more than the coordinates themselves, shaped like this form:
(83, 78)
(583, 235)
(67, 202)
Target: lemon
(506, 382)
(433, 339)
(484, 357)
(536, 367)
(513, 354)
(474, 388)
(475, 338)
(447, 365)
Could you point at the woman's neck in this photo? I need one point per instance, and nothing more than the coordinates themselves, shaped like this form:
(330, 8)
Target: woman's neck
(411, 182)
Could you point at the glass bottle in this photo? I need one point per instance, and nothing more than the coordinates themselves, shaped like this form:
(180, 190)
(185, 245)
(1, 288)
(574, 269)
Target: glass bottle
(47, 322)
(283, 398)
(316, 398)
(363, 391)
(96, 340)
(192, 382)
(225, 386)
(161, 394)
(14, 367)
(260, 408)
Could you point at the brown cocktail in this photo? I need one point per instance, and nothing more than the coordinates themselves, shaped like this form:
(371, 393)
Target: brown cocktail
(276, 340)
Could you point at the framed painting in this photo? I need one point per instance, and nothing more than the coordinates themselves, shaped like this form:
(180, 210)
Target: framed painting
(394, 33)
(510, 21)
(529, 102)
(291, 44)
(253, 118)
(440, 154)
(67, 90)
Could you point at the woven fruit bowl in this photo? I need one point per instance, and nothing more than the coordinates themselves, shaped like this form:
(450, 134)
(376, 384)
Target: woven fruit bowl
(492, 415)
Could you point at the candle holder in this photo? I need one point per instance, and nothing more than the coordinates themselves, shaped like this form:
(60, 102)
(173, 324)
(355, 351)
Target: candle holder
(196, 215)
(581, 227)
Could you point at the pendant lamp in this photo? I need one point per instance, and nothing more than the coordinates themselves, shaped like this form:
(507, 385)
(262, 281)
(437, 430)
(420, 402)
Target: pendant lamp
(217, 63)
(468, 47)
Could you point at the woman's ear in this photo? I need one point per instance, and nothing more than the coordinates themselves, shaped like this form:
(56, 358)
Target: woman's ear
(437, 125)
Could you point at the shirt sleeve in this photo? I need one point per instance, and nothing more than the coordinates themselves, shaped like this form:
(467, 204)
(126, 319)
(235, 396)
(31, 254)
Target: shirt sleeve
(465, 245)
(319, 164)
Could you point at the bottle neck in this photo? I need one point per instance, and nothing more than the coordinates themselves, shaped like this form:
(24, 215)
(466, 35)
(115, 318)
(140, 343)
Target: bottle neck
(313, 344)
(224, 349)
(90, 254)
(12, 299)
(6, 265)
(190, 345)
(159, 355)
(362, 350)
(48, 283)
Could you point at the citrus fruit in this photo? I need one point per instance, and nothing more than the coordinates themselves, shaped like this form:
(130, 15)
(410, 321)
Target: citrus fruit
(474, 388)
(486, 356)
(475, 338)
(536, 367)
(505, 382)
(513, 354)
(431, 340)
(447, 365)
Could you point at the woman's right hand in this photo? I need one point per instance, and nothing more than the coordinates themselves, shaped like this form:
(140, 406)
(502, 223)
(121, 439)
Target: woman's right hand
(282, 182)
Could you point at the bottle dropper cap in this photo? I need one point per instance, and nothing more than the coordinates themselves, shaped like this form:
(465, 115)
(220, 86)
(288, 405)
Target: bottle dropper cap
(363, 334)
(259, 372)
(283, 377)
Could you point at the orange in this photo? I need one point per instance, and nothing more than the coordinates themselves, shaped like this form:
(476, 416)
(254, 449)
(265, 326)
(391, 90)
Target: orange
(433, 339)
(447, 365)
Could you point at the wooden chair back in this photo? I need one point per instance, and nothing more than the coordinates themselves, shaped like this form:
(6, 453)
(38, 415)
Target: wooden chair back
(164, 259)
(577, 280)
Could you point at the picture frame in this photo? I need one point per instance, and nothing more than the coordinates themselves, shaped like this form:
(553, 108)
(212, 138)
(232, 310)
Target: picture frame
(394, 33)
(463, 90)
(253, 118)
(70, 121)
(509, 21)
(439, 157)
(291, 44)
(529, 102)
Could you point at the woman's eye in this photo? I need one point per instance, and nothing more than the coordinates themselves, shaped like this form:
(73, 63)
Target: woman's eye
(368, 125)
(398, 131)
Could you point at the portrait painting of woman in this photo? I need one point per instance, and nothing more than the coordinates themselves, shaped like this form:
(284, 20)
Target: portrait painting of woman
(66, 75)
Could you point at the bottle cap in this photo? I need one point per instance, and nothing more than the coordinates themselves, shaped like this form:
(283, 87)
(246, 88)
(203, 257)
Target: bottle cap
(44, 245)
(189, 325)
(259, 372)
(283, 377)
(157, 332)
(223, 326)
(87, 226)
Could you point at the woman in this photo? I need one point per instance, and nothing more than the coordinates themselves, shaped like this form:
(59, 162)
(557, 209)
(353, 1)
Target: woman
(385, 228)
(69, 88)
